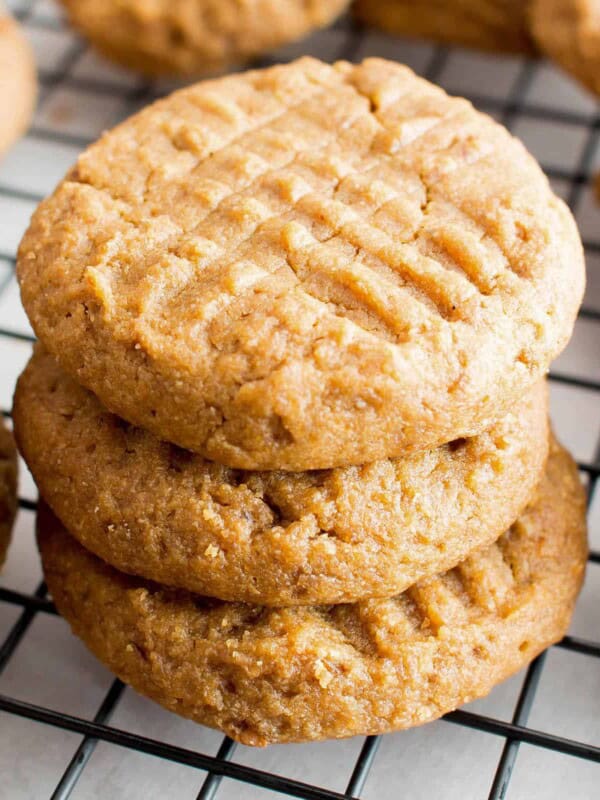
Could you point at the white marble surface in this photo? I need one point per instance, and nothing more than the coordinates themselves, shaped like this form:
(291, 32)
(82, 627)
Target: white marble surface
(51, 668)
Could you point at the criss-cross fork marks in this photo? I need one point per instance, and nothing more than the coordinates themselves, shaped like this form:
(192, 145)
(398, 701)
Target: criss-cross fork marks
(291, 205)
(481, 586)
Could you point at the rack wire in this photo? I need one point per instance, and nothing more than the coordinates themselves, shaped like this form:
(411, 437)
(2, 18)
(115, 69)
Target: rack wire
(38, 17)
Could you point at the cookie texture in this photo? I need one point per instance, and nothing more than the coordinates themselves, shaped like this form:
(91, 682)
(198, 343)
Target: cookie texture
(296, 674)
(569, 32)
(305, 267)
(496, 25)
(189, 37)
(18, 82)
(8, 488)
(272, 538)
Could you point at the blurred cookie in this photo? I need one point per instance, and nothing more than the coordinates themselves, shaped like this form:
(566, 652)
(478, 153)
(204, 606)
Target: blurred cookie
(18, 82)
(267, 675)
(272, 538)
(497, 25)
(189, 37)
(305, 267)
(569, 32)
(8, 488)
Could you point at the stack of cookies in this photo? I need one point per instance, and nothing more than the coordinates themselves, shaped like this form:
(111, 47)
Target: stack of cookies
(288, 415)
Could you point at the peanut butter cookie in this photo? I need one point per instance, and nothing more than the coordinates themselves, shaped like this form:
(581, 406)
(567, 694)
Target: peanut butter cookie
(496, 25)
(569, 32)
(271, 538)
(305, 267)
(8, 488)
(18, 83)
(296, 674)
(189, 37)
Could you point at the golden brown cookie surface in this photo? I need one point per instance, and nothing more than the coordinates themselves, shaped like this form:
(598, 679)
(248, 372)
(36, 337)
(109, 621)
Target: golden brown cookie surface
(190, 37)
(296, 674)
(8, 488)
(305, 267)
(17, 81)
(569, 32)
(271, 538)
(497, 25)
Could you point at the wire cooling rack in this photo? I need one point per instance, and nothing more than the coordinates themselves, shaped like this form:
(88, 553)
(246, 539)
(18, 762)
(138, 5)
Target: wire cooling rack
(67, 728)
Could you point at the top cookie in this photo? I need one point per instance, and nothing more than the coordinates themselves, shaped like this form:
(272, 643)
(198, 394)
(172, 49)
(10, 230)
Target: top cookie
(8, 488)
(188, 37)
(497, 25)
(17, 81)
(569, 32)
(305, 267)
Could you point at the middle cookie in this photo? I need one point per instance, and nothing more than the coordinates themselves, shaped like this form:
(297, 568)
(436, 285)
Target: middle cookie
(276, 538)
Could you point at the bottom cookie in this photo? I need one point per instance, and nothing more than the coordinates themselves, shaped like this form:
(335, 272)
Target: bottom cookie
(8, 488)
(266, 675)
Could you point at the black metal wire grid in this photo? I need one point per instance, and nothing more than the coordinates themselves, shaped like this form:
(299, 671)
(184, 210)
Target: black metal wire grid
(507, 108)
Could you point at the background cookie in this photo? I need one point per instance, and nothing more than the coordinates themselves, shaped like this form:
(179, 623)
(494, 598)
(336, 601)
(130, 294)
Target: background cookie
(17, 81)
(8, 488)
(305, 267)
(293, 674)
(151, 509)
(187, 37)
(487, 24)
(569, 32)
